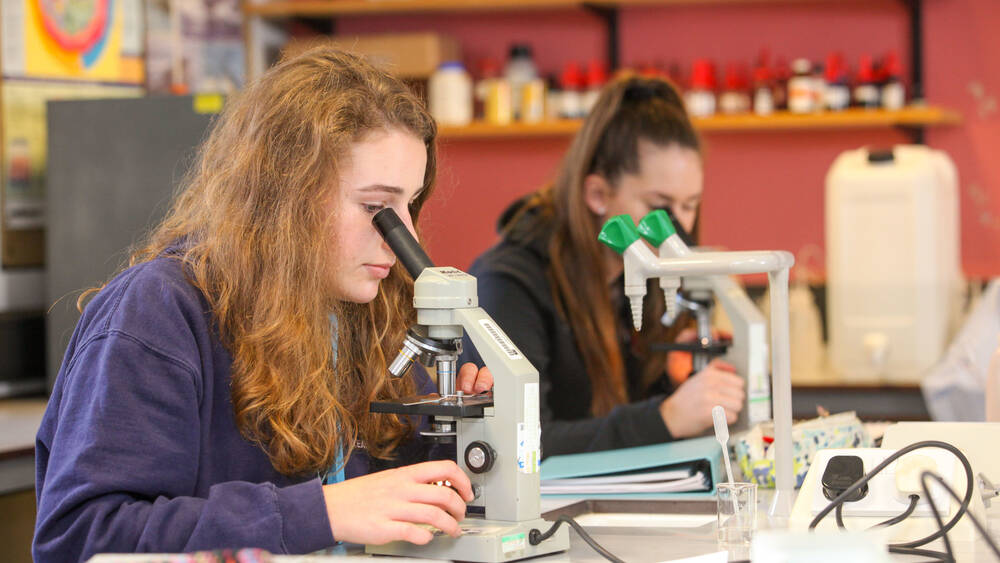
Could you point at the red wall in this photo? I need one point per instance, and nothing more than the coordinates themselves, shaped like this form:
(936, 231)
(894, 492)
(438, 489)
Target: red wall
(763, 190)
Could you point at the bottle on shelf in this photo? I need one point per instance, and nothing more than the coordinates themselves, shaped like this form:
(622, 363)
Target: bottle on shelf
(553, 98)
(819, 87)
(780, 76)
(763, 91)
(595, 79)
(734, 98)
(866, 93)
(519, 71)
(700, 97)
(802, 94)
(571, 101)
(449, 94)
(533, 100)
(837, 92)
(487, 70)
(893, 91)
(493, 94)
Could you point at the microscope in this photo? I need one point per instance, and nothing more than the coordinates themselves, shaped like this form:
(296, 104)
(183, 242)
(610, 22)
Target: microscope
(747, 350)
(676, 260)
(497, 436)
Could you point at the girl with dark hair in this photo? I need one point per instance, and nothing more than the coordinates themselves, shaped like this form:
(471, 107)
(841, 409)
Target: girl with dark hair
(215, 393)
(559, 293)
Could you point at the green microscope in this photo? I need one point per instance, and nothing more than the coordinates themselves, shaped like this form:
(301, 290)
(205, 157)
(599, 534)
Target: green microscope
(498, 436)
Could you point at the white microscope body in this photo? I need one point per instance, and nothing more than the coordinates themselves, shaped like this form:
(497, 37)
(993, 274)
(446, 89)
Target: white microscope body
(498, 436)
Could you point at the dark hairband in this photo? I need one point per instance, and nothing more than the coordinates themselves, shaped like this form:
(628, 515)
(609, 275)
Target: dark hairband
(643, 90)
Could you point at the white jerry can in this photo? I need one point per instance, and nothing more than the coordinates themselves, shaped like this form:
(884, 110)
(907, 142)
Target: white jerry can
(892, 258)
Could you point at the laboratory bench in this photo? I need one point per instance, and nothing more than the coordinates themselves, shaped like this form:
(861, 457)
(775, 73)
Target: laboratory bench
(636, 531)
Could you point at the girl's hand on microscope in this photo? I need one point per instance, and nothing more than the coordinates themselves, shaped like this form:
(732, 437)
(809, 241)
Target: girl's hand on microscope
(680, 364)
(690, 334)
(688, 411)
(472, 381)
(398, 504)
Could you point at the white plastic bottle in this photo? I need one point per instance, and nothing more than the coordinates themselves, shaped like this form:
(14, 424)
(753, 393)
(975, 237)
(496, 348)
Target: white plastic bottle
(892, 255)
(993, 388)
(449, 92)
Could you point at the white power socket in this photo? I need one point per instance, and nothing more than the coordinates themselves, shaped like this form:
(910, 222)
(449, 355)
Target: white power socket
(977, 440)
(882, 498)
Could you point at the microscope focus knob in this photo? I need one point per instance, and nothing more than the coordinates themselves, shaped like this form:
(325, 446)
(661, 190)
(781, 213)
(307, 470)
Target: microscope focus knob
(479, 457)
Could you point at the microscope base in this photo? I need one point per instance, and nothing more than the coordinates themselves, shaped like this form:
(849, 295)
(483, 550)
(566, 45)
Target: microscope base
(486, 541)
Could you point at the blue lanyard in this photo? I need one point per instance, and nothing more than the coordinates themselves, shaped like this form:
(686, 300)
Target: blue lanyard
(330, 478)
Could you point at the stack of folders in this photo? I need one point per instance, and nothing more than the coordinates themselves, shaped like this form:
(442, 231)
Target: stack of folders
(685, 466)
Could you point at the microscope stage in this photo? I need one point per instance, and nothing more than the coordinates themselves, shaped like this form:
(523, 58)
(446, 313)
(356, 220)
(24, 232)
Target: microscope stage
(436, 405)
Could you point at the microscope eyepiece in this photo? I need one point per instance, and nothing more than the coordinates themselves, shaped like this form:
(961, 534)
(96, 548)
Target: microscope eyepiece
(403, 245)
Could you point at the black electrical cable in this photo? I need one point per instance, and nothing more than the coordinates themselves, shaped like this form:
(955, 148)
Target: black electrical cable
(914, 499)
(975, 521)
(937, 515)
(962, 509)
(536, 537)
(963, 506)
(935, 555)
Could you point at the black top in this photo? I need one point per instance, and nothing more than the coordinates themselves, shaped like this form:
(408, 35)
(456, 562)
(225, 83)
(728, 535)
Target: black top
(514, 290)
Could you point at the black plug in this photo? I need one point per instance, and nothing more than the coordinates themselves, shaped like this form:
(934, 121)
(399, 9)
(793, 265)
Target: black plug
(841, 472)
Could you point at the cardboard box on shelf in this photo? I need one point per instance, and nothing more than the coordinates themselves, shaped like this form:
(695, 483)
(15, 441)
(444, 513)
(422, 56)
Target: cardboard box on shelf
(407, 55)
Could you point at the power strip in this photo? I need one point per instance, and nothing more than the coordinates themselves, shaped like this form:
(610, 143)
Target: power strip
(883, 499)
(975, 440)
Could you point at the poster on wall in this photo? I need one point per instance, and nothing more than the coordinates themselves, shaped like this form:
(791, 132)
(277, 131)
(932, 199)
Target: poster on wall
(23, 167)
(194, 46)
(85, 40)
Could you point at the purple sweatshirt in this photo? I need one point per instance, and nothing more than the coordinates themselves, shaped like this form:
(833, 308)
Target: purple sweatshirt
(139, 450)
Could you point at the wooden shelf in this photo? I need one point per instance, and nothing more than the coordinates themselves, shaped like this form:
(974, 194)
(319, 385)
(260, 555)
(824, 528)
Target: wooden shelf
(781, 121)
(849, 119)
(289, 8)
(482, 130)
